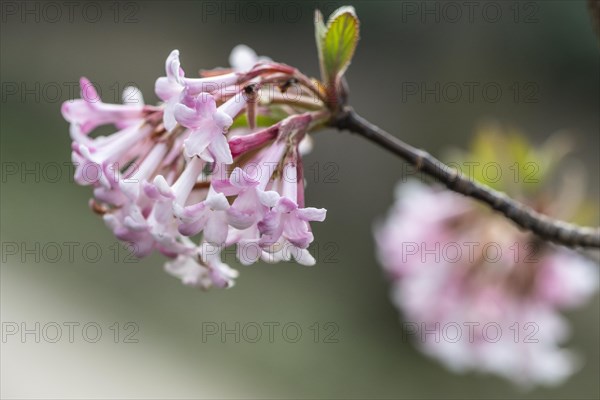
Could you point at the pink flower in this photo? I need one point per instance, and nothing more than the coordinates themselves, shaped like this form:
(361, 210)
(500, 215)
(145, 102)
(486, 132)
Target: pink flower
(287, 220)
(205, 275)
(221, 274)
(90, 112)
(98, 160)
(164, 176)
(243, 58)
(251, 202)
(208, 216)
(474, 292)
(251, 141)
(208, 125)
(171, 87)
(189, 271)
(128, 221)
(283, 250)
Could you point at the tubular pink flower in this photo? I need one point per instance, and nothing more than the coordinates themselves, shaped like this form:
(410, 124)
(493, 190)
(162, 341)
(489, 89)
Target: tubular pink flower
(242, 144)
(189, 271)
(251, 203)
(208, 216)
(127, 187)
(208, 125)
(212, 272)
(248, 250)
(100, 155)
(221, 274)
(156, 226)
(285, 251)
(243, 216)
(90, 112)
(286, 220)
(243, 58)
(171, 87)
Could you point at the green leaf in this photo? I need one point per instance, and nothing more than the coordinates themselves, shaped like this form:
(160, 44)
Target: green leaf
(262, 120)
(320, 31)
(336, 42)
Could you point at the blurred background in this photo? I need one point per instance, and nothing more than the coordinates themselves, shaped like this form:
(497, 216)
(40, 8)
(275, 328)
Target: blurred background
(542, 55)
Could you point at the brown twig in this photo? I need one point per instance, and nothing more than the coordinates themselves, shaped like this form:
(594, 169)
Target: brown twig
(557, 231)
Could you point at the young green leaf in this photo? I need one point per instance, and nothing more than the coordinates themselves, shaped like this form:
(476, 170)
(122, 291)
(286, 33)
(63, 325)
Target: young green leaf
(320, 31)
(339, 42)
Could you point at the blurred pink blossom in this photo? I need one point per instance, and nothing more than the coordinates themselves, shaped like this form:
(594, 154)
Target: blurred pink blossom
(475, 292)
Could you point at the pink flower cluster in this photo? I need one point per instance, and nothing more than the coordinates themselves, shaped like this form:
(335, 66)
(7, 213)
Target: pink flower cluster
(179, 170)
(478, 294)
